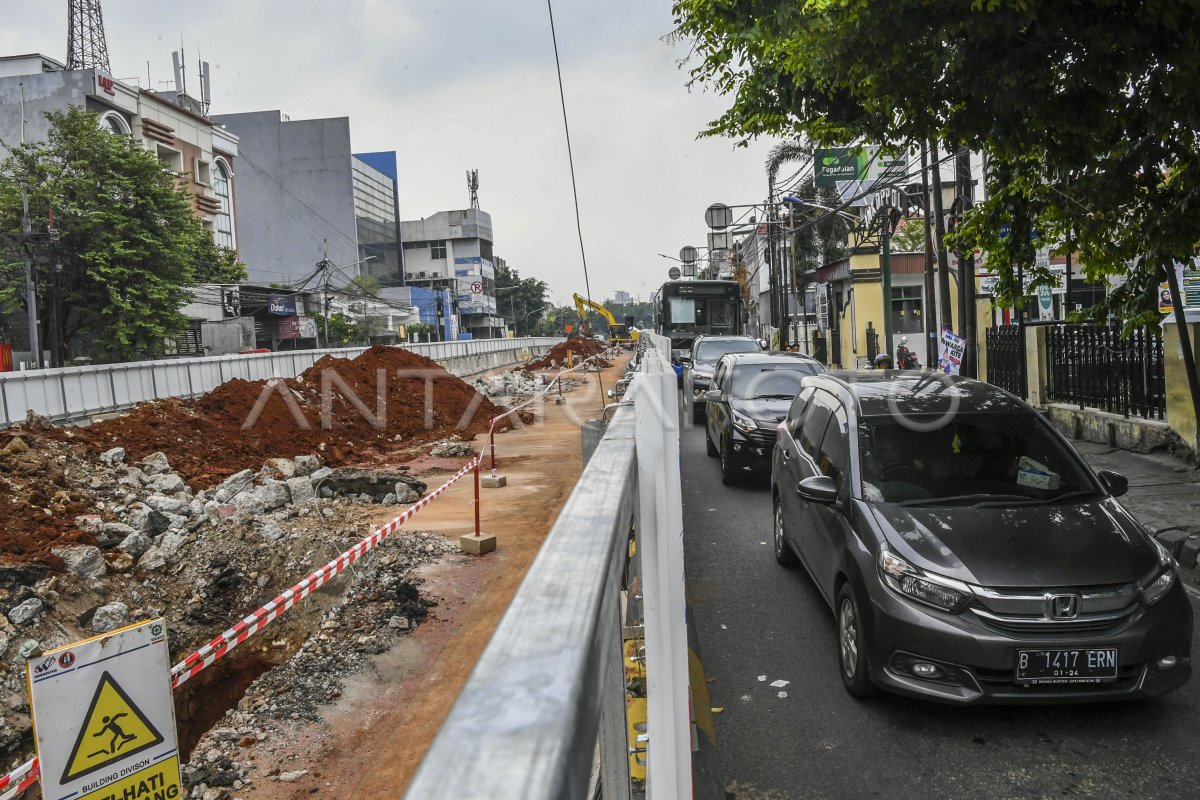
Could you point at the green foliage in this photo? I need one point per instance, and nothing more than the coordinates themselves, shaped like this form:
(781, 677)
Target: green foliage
(520, 299)
(1085, 111)
(343, 331)
(129, 243)
(909, 236)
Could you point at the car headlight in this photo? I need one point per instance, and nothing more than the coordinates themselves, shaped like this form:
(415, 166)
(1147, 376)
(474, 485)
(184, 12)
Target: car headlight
(941, 593)
(742, 423)
(1164, 580)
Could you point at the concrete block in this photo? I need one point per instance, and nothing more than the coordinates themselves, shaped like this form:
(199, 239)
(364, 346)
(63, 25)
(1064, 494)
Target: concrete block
(477, 545)
(1189, 552)
(560, 400)
(492, 481)
(1172, 539)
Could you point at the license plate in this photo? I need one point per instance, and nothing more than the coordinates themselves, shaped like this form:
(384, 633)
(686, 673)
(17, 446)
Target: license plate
(1067, 666)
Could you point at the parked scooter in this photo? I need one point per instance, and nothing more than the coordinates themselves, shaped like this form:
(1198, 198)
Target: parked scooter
(905, 358)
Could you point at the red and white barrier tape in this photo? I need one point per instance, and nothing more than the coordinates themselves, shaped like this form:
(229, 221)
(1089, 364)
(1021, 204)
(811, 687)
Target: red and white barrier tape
(23, 776)
(256, 621)
(27, 774)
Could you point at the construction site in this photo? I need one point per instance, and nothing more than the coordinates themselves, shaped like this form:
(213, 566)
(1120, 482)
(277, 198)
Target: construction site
(201, 510)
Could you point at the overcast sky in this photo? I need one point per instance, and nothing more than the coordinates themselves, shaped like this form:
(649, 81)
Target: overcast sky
(467, 84)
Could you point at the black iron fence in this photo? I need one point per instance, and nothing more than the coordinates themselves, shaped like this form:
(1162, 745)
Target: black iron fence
(1096, 367)
(1004, 359)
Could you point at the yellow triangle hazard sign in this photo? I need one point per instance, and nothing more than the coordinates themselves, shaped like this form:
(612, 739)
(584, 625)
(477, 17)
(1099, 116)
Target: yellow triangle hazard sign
(113, 729)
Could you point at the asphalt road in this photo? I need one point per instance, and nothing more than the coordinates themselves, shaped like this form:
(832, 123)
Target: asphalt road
(756, 619)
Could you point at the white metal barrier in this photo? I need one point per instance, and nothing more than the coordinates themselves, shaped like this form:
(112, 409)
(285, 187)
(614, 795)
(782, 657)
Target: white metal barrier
(76, 392)
(548, 692)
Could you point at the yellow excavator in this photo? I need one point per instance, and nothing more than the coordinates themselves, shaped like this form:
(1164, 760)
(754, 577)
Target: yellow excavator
(618, 333)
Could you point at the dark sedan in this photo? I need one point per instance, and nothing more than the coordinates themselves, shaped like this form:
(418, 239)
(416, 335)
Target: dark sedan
(702, 362)
(967, 551)
(750, 394)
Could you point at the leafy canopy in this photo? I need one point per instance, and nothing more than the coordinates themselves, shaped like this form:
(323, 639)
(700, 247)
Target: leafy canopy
(1084, 109)
(129, 243)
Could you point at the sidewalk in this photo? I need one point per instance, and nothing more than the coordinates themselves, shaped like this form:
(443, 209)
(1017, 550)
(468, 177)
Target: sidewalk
(1164, 495)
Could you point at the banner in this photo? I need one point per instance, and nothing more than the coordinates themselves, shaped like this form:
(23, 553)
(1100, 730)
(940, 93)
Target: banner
(282, 305)
(861, 164)
(950, 353)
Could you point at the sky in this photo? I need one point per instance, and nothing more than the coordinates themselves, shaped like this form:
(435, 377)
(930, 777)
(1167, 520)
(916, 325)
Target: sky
(468, 84)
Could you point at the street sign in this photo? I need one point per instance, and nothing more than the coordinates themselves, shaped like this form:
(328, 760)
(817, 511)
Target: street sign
(1045, 303)
(688, 254)
(718, 240)
(673, 273)
(476, 288)
(718, 216)
(104, 718)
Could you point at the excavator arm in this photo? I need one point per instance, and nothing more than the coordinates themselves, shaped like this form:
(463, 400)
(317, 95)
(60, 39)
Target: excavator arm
(616, 330)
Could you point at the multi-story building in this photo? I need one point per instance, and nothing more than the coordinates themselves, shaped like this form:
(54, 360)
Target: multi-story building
(453, 250)
(622, 298)
(170, 126)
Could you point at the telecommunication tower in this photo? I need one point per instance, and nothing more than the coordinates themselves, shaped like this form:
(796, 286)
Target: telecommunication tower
(86, 46)
(473, 186)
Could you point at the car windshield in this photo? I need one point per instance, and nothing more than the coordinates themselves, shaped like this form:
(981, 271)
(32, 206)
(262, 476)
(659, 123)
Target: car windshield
(709, 352)
(770, 380)
(967, 459)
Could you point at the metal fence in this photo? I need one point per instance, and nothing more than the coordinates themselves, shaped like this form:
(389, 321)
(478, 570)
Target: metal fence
(543, 713)
(1004, 363)
(74, 393)
(1094, 366)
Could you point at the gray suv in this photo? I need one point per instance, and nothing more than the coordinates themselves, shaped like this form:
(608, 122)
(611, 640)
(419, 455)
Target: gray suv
(967, 551)
(700, 364)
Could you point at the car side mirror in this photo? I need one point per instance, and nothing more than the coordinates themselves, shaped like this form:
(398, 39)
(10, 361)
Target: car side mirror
(818, 489)
(713, 396)
(1116, 483)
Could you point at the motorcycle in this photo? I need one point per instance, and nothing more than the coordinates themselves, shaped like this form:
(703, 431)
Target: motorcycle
(905, 358)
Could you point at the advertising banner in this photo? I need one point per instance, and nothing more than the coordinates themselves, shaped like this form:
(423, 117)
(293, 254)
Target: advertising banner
(861, 164)
(282, 305)
(6, 360)
(288, 328)
(950, 353)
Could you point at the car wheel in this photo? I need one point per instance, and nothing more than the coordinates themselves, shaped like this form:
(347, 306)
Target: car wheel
(697, 413)
(852, 645)
(783, 551)
(728, 471)
(709, 447)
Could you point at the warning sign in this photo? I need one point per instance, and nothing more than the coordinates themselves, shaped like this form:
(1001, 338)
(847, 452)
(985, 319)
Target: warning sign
(113, 729)
(104, 718)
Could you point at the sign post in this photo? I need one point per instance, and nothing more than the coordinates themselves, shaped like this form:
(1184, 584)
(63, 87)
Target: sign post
(103, 717)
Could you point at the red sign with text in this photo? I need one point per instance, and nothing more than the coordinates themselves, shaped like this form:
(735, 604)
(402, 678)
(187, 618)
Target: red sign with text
(6, 364)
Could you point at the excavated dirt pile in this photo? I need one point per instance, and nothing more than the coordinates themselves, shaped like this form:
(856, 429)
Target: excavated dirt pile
(206, 441)
(581, 348)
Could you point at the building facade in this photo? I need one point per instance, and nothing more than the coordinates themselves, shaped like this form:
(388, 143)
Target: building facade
(452, 250)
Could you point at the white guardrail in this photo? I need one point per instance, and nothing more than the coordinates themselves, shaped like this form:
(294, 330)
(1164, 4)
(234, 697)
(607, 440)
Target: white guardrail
(543, 713)
(72, 393)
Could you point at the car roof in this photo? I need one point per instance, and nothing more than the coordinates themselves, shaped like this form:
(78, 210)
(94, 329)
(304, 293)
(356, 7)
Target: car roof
(772, 358)
(886, 392)
(723, 337)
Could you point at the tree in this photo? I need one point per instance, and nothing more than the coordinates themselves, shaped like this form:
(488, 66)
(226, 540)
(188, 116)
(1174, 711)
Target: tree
(524, 298)
(910, 235)
(343, 331)
(129, 244)
(1085, 112)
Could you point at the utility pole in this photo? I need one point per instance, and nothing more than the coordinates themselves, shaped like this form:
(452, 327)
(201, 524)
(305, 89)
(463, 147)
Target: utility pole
(324, 265)
(35, 345)
(966, 268)
(930, 304)
(886, 268)
(945, 315)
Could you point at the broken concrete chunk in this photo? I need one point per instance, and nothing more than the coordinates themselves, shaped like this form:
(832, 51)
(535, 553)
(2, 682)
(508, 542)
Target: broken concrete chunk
(320, 474)
(152, 560)
(168, 505)
(25, 612)
(284, 467)
(147, 520)
(113, 457)
(109, 617)
(82, 560)
(234, 485)
(167, 483)
(273, 494)
(272, 532)
(117, 530)
(375, 484)
(307, 465)
(89, 523)
(301, 490)
(170, 543)
(406, 493)
(155, 464)
(135, 544)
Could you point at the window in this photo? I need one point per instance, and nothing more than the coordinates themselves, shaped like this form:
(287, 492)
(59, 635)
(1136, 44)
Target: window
(203, 172)
(906, 309)
(835, 451)
(170, 158)
(437, 250)
(795, 416)
(814, 426)
(222, 188)
(114, 123)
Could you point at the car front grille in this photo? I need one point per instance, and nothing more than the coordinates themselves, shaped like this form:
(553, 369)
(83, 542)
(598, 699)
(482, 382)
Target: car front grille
(761, 437)
(1024, 611)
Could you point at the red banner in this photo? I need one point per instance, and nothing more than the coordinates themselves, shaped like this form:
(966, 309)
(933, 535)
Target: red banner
(6, 364)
